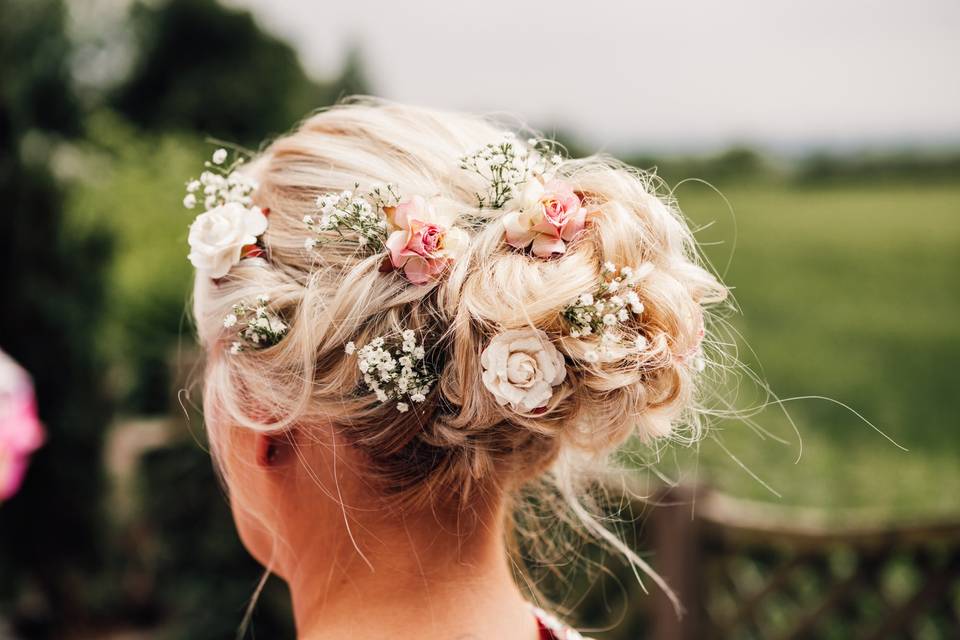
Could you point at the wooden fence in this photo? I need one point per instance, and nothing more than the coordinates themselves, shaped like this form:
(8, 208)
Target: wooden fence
(745, 570)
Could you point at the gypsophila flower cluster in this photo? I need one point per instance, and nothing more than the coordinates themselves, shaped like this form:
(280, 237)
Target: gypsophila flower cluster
(256, 325)
(394, 369)
(506, 165)
(601, 312)
(352, 212)
(220, 183)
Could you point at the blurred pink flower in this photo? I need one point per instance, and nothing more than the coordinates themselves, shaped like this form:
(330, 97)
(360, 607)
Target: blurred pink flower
(20, 428)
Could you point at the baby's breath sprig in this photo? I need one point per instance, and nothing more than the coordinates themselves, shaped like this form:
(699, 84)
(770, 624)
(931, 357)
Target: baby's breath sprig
(506, 165)
(394, 369)
(352, 212)
(221, 183)
(257, 326)
(384, 196)
(600, 312)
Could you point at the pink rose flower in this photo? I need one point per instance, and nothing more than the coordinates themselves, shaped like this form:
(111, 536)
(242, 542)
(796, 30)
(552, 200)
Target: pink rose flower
(549, 216)
(20, 428)
(422, 241)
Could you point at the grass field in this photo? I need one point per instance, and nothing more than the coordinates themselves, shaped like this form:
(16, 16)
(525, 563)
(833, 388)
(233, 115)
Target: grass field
(846, 292)
(850, 293)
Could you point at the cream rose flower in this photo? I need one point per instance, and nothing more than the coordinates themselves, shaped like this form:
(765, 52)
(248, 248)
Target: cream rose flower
(217, 237)
(521, 367)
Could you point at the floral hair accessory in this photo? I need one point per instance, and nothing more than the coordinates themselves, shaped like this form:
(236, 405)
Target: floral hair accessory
(601, 312)
(229, 228)
(350, 212)
(521, 367)
(548, 215)
(221, 237)
(221, 183)
(257, 327)
(394, 368)
(506, 165)
(423, 241)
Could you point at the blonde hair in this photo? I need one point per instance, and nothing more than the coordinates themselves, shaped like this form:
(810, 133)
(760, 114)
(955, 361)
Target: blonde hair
(460, 440)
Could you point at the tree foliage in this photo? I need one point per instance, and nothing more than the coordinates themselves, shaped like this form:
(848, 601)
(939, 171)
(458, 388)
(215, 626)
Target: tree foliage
(204, 68)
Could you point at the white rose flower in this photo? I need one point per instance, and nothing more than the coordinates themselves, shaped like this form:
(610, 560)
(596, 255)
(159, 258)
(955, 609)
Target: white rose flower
(521, 367)
(218, 236)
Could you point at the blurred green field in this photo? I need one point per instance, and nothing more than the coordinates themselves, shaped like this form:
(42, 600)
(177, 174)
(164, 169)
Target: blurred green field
(850, 293)
(847, 292)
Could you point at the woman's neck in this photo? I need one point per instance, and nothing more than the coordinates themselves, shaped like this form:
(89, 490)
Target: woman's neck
(418, 580)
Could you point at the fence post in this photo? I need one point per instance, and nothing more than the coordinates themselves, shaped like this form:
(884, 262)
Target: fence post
(676, 545)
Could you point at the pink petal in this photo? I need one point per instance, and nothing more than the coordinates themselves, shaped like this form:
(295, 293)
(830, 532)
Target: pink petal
(414, 208)
(12, 470)
(415, 241)
(574, 225)
(418, 270)
(21, 431)
(545, 246)
(399, 216)
(396, 244)
(545, 225)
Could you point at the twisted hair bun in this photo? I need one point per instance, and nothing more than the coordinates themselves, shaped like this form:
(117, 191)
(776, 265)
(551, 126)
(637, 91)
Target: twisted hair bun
(463, 435)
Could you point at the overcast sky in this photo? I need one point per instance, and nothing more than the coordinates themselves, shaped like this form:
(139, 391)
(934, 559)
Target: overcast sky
(669, 74)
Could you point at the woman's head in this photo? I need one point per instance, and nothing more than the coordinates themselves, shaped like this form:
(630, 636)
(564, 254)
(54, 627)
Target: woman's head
(518, 379)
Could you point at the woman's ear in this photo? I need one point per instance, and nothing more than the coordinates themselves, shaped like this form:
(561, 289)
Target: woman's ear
(274, 450)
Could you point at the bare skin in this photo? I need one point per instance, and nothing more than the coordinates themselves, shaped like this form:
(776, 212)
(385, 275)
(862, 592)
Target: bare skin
(358, 568)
